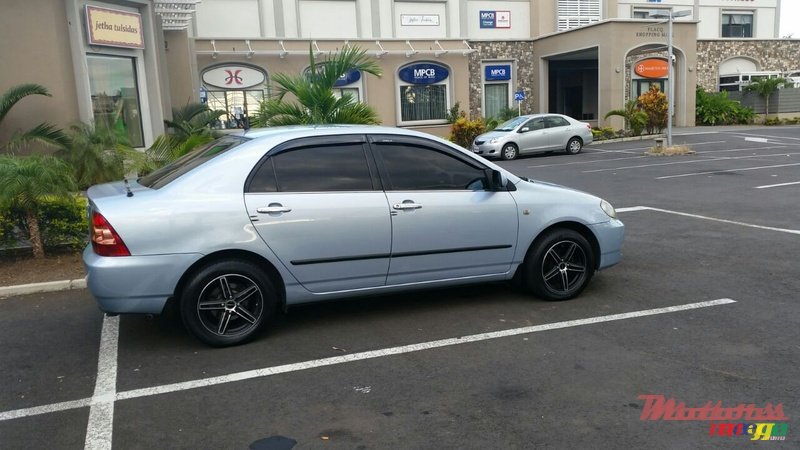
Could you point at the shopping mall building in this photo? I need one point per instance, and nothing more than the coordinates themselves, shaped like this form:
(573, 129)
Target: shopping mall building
(138, 59)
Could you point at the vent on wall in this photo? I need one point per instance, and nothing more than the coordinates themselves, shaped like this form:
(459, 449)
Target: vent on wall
(175, 14)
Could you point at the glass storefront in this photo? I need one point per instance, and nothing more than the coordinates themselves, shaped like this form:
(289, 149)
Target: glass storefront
(495, 99)
(238, 106)
(115, 96)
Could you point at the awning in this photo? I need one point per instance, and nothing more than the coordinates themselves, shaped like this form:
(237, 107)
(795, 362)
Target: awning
(294, 47)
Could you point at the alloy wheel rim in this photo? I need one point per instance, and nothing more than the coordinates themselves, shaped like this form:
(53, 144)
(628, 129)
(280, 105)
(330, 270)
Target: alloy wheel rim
(510, 152)
(564, 266)
(574, 146)
(230, 305)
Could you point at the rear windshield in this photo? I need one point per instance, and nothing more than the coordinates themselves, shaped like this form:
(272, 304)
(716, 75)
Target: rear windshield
(189, 161)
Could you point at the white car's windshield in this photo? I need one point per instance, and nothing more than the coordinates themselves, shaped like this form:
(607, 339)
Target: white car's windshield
(511, 124)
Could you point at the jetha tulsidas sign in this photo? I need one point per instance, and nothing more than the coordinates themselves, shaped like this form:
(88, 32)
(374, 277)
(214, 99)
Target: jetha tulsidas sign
(233, 76)
(114, 28)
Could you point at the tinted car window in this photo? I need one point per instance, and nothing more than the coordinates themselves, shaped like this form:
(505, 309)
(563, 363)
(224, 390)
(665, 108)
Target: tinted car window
(412, 167)
(315, 169)
(535, 124)
(195, 158)
(555, 121)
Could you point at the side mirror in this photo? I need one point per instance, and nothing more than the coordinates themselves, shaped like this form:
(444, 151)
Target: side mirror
(497, 180)
(524, 130)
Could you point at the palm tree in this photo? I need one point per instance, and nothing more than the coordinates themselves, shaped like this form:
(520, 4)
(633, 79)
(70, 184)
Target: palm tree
(97, 154)
(765, 87)
(189, 128)
(25, 181)
(44, 133)
(635, 118)
(316, 103)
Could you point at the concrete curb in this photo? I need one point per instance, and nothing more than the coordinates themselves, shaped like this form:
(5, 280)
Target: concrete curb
(629, 139)
(36, 288)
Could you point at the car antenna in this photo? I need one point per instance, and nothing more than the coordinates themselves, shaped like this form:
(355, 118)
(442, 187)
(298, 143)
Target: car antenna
(127, 187)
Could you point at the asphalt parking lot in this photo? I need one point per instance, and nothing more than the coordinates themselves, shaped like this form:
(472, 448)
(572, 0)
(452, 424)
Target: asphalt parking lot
(703, 308)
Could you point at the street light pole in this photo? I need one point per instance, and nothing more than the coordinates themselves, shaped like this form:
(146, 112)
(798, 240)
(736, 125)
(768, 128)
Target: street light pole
(670, 72)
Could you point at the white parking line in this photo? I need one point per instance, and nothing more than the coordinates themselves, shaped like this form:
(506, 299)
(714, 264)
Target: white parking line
(101, 414)
(766, 136)
(594, 161)
(767, 186)
(287, 368)
(725, 171)
(713, 219)
(693, 161)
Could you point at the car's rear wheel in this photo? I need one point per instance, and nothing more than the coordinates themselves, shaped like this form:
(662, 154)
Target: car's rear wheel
(559, 265)
(574, 146)
(227, 302)
(509, 152)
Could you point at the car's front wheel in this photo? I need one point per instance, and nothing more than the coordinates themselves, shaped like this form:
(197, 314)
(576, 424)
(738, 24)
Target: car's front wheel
(509, 152)
(227, 302)
(574, 146)
(559, 265)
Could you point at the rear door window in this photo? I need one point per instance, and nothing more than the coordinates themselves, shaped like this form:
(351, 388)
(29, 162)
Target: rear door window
(318, 168)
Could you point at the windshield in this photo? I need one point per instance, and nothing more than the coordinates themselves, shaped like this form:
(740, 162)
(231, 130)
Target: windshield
(511, 124)
(189, 161)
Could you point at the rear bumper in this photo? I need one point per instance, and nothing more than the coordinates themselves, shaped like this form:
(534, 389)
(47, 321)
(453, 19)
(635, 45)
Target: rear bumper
(609, 236)
(134, 284)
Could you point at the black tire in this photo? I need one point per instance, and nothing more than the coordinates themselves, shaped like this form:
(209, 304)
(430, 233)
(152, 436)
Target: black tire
(509, 152)
(559, 265)
(574, 146)
(227, 303)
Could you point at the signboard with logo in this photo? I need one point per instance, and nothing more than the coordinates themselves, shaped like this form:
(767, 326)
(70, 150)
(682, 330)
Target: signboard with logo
(423, 73)
(495, 19)
(114, 28)
(519, 96)
(497, 72)
(350, 77)
(651, 68)
(234, 76)
(419, 20)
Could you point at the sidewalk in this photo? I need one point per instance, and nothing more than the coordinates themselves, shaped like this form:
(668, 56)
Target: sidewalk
(37, 288)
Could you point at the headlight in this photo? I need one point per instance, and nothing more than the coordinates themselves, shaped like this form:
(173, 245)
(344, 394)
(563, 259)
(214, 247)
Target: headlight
(494, 141)
(608, 209)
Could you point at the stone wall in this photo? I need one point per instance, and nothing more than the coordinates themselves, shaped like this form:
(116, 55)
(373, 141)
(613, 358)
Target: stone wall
(521, 52)
(770, 55)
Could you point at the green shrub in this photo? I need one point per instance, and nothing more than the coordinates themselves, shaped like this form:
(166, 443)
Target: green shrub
(605, 133)
(715, 108)
(654, 104)
(62, 221)
(770, 121)
(463, 131)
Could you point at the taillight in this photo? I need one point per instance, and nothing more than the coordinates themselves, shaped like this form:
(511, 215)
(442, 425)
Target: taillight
(106, 241)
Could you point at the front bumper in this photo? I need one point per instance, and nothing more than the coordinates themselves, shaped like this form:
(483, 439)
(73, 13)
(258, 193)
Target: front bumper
(609, 236)
(487, 150)
(134, 284)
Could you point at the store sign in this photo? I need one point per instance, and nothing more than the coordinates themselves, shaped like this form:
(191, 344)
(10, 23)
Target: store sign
(350, 77)
(114, 28)
(234, 77)
(651, 68)
(423, 73)
(495, 19)
(419, 20)
(497, 73)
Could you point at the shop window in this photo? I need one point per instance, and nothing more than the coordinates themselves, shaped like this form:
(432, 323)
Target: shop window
(495, 99)
(577, 13)
(739, 25)
(640, 13)
(423, 93)
(115, 96)
(238, 106)
(640, 86)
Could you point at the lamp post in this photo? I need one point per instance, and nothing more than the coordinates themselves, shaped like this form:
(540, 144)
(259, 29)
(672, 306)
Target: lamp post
(670, 16)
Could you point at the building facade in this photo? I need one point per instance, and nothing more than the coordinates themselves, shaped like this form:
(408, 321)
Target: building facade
(577, 57)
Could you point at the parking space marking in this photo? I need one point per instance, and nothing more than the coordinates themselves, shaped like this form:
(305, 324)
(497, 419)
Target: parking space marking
(694, 161)
(765, 136)
(757, 139)
(713, 219)
(743, 149)
(101, 413)
(286, 368)
(600, 160)
(767, 186)
(744, 169)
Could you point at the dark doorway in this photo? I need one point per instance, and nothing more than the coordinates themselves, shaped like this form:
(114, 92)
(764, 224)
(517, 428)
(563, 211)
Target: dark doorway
(573, 87)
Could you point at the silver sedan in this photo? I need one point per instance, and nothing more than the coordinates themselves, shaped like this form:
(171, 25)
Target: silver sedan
(534, 134)
(250, 224)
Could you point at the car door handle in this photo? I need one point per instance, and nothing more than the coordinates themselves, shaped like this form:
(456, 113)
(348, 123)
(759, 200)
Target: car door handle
(273, 208)
(406, 206)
